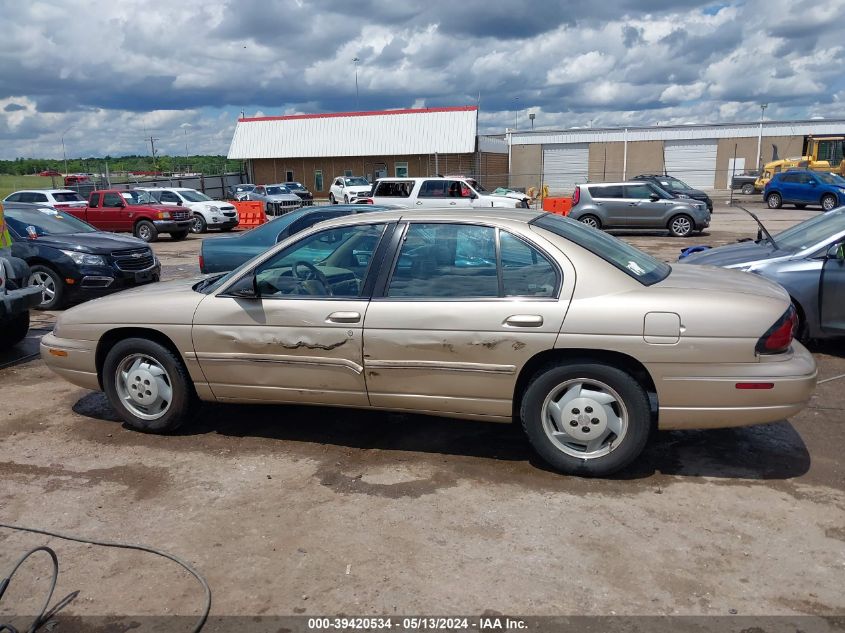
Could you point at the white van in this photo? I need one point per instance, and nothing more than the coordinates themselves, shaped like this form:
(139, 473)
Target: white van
(439, 192)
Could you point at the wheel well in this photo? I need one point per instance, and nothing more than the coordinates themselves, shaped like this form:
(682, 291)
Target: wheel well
(828, 195)
(112, 337)
(572, 356)
(802, 317)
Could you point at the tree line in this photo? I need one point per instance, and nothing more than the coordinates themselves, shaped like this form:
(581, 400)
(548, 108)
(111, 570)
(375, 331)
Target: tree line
(98, 165)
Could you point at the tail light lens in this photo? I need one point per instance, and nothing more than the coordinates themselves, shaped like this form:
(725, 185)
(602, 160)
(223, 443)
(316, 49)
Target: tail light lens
(779, 337)
(202, 264)
(576, 196)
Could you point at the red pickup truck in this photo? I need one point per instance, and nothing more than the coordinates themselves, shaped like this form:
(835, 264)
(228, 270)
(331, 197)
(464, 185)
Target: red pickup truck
(135, 212)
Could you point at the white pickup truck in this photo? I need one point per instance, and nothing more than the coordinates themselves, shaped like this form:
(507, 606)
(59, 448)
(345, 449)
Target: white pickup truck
(438, 192)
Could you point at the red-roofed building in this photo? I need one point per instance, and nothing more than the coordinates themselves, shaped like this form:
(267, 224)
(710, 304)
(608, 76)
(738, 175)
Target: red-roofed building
(315, 148)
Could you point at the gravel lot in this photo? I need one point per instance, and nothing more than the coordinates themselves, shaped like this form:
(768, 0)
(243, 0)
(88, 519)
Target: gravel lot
(292, 510)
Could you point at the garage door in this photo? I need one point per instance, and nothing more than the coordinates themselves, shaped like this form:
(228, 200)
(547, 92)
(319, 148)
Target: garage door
(694, 162)
(565, 166)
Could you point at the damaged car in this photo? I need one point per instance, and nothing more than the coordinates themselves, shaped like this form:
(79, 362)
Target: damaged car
(493, 315)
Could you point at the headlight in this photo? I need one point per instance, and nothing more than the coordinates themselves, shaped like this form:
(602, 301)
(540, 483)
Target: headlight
(747, 268)
(164, 215)
(682, 195)
(84, 259)
(213, 209)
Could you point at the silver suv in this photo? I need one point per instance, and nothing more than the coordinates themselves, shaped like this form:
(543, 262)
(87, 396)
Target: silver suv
(637, 205)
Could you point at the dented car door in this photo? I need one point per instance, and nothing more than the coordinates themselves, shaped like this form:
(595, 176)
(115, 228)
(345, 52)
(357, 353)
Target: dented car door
(464, 308)
(290, 330)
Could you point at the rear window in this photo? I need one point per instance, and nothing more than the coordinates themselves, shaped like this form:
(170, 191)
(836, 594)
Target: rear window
(632, 261)
(68, 197)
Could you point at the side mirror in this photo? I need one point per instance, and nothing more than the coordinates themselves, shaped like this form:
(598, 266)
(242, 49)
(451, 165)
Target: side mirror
(837, 252)
(654, 197)
(245, 288)
(473, 195)
(179, 203)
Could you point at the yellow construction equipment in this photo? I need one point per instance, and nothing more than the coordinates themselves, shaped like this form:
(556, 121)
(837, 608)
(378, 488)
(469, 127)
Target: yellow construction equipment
(822, 154)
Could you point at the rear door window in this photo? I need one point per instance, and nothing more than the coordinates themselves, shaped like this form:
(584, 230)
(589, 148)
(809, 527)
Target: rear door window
(394, 189)
(610, 191)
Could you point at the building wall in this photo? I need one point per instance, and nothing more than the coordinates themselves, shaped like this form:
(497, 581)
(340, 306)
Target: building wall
(606, 162)
(526, 166)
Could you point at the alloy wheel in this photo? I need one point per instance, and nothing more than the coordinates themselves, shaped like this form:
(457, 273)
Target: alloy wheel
(144, 386)
(48, 286)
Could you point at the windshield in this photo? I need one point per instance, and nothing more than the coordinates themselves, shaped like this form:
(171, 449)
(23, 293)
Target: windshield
(68, 197)
(46, 222)
(812, 232)
(276, 190)
(831, 179)
(356, 182)
(194, 196)
(138, 197)
(294, 185)
(632, 261)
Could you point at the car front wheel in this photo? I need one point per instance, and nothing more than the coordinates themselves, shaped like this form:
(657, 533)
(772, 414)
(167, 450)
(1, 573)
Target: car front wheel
(587, 418)
(829, 202)
(332, 199)
(199, 225)
(681, 225)
(52, 287)
(146, 231)
(148, 386)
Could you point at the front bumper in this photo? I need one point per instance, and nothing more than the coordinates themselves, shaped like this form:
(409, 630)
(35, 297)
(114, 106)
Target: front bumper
(707, 396)
(223, 222)
(90, 282)
(15, 302)
(73, 360)
(172, 226)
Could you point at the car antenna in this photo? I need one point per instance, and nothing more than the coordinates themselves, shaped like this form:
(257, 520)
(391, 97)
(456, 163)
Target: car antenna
(762, 230)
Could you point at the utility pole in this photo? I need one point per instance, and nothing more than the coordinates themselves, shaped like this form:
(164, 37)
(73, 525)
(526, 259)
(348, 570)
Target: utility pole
(355, 60)
(516, 113)
(64, 155)
(153, 151)
(763, 107)
(186, 150)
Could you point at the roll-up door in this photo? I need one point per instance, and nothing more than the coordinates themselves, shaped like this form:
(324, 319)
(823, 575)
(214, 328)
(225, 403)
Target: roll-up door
(694, 162)
(565, 166)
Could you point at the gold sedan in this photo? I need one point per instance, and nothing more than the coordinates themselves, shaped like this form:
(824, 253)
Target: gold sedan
(494, 315)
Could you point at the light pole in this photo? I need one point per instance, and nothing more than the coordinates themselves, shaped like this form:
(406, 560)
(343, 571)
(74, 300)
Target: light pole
(531, 117)
(355, 60)
(64, 155)
(763, 107)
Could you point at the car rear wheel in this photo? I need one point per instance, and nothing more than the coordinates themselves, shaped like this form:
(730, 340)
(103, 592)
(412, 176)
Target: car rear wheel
(146, 231)
(829, 202)
(52, 287)
(587, 418)
(591, 220)
(332, 199)
(148, 386)
(774, 201)
(199, 225)
(748, 189)
(178, 236)
(681, 225)
(14, 330)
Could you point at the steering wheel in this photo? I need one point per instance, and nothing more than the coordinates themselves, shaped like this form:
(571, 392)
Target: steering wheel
(312, 273)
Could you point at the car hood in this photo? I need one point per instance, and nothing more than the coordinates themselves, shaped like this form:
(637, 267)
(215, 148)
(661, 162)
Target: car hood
(358, 188)
(98, 243)
(170, 302)
(691, 193)
(707, 279)
(735, 254)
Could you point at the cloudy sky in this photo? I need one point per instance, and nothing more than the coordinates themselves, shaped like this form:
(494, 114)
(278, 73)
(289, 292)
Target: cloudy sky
(107, 75)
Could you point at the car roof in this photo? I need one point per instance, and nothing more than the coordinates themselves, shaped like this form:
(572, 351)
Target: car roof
(518, 216)
(618, 184)
(42, 191)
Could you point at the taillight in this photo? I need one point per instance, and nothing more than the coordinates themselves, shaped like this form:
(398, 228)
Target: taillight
(779, 337)
(576, 196)
(202, 264)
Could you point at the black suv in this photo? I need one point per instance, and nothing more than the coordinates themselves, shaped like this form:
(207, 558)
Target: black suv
(677, 188)
(302, 191)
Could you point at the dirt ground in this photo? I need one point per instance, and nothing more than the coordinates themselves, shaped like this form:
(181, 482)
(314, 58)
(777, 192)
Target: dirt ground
(295, 510)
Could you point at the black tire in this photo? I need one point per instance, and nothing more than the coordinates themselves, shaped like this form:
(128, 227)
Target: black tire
(178, 236)
(199, 225)
(630, 392)
(748, 189)
(800, 206)
(146, 231)
(57, 284)
(829, 202)
(183, 403)
(332, 199)
(774, 200)
(345, 199)
(681, 225)
(14, 330)
(802, 330)
(590, 220)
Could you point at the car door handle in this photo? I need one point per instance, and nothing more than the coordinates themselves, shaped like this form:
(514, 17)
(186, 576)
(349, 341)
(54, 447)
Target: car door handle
(419, 203)
(524, 320)
(344, 317)
(452, 204)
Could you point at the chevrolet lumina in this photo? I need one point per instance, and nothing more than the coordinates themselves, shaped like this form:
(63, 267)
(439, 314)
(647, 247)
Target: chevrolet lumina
(493, 315)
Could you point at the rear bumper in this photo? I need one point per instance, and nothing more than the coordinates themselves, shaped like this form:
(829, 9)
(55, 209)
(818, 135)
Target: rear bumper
(692, 400)
(15, 302)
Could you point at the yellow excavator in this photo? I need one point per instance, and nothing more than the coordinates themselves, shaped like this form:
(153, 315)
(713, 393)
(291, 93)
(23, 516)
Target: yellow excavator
(826, 153)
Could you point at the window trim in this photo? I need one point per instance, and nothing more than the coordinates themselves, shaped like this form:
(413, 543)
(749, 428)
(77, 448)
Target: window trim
(386, 274)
